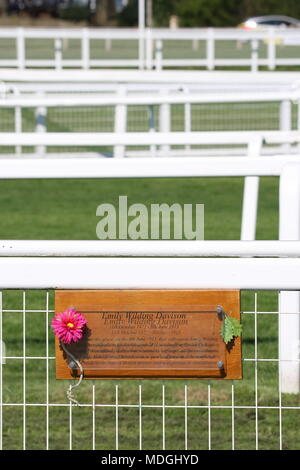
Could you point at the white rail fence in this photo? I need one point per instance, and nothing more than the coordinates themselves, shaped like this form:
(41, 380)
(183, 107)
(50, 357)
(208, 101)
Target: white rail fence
(118, 98)
(172, 99)
(153, 273)
(93, 80)
(251, 166)
(122, 103)
(64, 264)
(146, 248)
(149, 48)
(289, 172)
(142, 139)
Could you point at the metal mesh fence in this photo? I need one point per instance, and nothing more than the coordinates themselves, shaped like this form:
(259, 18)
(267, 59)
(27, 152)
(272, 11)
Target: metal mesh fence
(142, 118)
(153, 414)
(204, 117)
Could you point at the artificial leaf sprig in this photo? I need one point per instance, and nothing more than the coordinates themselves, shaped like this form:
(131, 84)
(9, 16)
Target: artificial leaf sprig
(230, 328)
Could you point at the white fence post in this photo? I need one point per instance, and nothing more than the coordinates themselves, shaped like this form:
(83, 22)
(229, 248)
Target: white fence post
(271, 50)
(58, 53)
(152, 128)
(289, 306)
(187, 116)
(107, 44)
(250, 197)
(165, 122)
(20, 48)
(254, 55)
(158, 54)
(210, 49)
(18, 121)
(85, 49)
(40, 125)
(149, 49)
(195, 44)
(141, 8)
(120, 123)
(285, 121)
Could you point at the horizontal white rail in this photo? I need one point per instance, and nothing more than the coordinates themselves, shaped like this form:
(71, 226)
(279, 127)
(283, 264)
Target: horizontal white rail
(136, 99)
(142, 77)
(70, 33)
(165, 248)
(150, 273)
(222, 33)
(147, 77)
(209, 87)
(22, 168)
(144, 138)
(156, 33)
(134, 33)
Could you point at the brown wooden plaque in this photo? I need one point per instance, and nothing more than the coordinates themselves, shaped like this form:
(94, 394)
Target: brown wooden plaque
(151, 334)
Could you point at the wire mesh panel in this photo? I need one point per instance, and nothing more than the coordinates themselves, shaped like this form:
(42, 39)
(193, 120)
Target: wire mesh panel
(200, 117)
(81, 119)
(152, 414)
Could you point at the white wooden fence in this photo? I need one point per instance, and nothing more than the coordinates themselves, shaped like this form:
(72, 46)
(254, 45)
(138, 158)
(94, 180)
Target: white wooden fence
(123, 99)
(144, 138)
(95, 80)
(242, 273)
(76, 264)
(249, 265)
(43, 90)
(154, 48)
(153, 167)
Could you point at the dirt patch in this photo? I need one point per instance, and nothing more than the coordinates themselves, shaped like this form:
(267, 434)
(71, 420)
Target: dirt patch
(42, 21)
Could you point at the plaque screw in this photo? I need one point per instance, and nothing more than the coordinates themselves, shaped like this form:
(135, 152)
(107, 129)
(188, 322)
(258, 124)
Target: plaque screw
(72, 365)
(220, 312)
(220, 364)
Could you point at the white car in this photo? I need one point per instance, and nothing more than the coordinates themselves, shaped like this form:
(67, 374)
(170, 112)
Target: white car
(270, 21)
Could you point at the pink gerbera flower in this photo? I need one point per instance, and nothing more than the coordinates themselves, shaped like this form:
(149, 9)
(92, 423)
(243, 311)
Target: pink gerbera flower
(68, 326)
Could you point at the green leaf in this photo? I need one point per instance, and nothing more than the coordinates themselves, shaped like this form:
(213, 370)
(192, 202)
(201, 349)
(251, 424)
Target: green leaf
(230, 328)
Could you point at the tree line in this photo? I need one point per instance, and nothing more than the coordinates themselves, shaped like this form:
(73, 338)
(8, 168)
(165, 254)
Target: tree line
(190, 13)
(205, 13)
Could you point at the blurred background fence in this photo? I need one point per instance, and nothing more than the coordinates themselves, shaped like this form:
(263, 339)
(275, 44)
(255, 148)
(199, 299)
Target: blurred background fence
(149, 48)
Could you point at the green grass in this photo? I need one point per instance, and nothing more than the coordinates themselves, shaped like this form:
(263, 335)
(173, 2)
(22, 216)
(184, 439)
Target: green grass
(66, 209)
